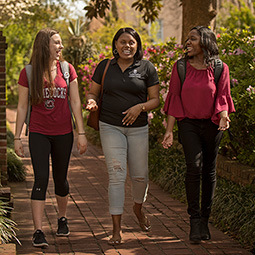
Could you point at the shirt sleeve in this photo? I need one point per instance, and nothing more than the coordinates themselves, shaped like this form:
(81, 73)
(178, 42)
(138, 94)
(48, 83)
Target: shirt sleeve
(72, 72)
(223, 101)
(23, 78)
(173, 104)
(152, 78)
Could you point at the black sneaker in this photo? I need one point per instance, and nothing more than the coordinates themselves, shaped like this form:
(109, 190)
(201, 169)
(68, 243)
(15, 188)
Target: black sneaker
(39, 239)
(63, 229)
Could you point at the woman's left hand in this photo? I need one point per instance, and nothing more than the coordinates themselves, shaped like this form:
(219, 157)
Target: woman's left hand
(224, 123)
(82, 143)
(131, 115)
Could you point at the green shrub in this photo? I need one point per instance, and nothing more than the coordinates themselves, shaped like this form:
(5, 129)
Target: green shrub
(237, 51)
(7, 226)
(15, 167)
(168, 169)
(233, 211)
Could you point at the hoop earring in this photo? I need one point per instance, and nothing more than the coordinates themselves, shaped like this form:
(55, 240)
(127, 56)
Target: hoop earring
(115, 52)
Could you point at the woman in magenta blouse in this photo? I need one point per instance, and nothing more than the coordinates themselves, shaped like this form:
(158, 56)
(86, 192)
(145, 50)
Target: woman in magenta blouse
(202, 110)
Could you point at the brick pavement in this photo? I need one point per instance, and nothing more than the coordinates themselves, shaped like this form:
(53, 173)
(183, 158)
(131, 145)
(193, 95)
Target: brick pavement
(90, 222)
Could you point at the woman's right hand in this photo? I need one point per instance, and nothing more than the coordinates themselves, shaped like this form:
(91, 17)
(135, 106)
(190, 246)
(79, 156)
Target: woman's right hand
(168, 140)
(91, 105)
(18, 147)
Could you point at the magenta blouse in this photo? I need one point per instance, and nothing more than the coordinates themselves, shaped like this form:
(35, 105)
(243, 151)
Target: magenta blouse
(199, 98)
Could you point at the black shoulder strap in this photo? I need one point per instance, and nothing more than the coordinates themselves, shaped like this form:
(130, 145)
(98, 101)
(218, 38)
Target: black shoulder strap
(218, 68)
(29, 108)
(181, 69)
(65, 71)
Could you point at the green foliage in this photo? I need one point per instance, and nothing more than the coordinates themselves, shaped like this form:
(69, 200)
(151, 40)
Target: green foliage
(237, 51)
(7, 226)
(167, 168)
(15, 167)
(233, 211)
(149, 9)
(78, 28)
(104, 35)
(163, 56)
(79, 50)
(20, 34)
(234, 17)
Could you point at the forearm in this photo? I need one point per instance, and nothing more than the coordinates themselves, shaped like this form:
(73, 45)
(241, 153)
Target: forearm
(150, 104)
(223, 114)
(170, 123)
(20, 119)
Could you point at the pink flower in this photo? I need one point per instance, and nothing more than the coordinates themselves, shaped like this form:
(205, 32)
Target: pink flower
(239, 52)
(170, 54)
(234, 82)
(150, 116)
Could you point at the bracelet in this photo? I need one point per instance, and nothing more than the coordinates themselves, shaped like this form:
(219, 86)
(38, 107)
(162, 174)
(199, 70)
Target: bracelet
(81, 133)
(16, 138)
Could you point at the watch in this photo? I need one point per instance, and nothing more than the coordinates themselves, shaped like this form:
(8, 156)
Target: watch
(143, 108)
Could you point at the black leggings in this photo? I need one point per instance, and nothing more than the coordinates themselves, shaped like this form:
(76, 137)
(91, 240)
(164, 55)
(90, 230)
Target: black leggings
(60, 147)
(200, 140)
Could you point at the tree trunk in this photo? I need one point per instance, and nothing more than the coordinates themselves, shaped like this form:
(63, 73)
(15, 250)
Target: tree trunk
(197, 13)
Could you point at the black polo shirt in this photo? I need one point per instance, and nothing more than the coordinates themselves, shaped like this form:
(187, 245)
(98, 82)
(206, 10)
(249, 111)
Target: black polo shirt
(123, 90)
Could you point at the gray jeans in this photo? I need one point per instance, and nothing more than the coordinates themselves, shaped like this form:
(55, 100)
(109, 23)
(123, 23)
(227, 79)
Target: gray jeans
(125, 146)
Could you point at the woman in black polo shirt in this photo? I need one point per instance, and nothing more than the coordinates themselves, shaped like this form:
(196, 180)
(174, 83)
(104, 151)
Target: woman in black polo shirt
(131, 88)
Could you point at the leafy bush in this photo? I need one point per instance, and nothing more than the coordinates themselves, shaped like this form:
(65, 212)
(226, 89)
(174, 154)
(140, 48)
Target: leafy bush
(7, 226)
(168, 169)
(237, 51)
(233, 211)
(163, 56)
(15, 167)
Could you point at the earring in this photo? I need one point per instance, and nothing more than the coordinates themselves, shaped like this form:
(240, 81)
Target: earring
(115, 52)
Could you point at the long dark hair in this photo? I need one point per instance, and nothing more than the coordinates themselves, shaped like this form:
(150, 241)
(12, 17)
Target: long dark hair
(131, 31)
(208, 44)
(40, 64)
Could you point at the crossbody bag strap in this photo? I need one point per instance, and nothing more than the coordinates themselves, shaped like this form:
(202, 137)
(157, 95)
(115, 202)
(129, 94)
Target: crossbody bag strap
(102, 82)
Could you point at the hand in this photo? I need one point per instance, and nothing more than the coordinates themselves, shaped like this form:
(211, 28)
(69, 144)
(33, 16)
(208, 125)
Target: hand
(131, 115)
(168, 140)
(224, 123)
(92, 105)
(82, 143)
(18, 147)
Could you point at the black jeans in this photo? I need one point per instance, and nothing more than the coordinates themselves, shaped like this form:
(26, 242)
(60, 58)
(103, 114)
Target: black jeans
(41, 147)
(200, 140)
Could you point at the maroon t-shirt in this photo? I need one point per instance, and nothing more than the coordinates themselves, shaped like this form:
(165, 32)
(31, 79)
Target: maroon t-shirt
(199, 98)
(52, 117)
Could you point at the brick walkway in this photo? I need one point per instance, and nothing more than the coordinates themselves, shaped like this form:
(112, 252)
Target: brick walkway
(90, 222)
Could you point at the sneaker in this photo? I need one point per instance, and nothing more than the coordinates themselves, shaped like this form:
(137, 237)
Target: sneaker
(63, 229)
(39, 239)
